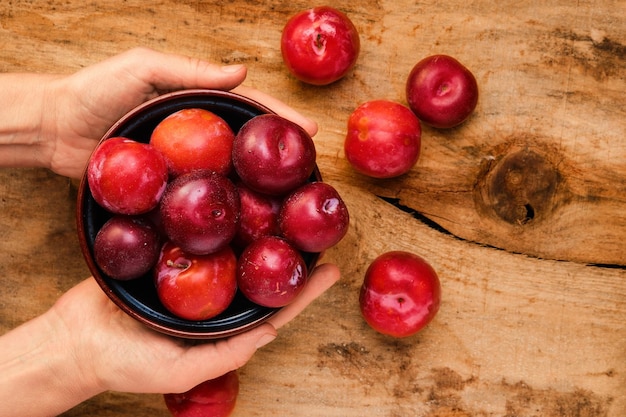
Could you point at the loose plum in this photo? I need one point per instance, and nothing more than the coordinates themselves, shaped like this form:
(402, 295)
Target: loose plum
(114, 180)
(441, 91)
(383, 139)
(273, 155)
(320, 45)
(195, 287)
(200, 211)
(213, 398)
(192, 139)
(400, 294)
(126, 247)
(314, 217)
(270, 272)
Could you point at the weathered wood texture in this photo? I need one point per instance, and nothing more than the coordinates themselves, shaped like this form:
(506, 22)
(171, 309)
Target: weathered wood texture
(521, 210)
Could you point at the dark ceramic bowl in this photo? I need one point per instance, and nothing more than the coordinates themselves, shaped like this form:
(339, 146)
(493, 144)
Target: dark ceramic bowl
(138, 298)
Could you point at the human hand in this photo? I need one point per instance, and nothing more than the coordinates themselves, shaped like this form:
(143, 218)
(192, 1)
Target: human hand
(80, 108)
(115, 352)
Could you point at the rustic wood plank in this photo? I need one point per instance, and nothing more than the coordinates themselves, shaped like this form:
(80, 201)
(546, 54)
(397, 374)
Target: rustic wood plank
(515, 209)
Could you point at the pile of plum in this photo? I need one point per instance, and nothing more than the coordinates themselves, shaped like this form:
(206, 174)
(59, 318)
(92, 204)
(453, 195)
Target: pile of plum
(208, 211)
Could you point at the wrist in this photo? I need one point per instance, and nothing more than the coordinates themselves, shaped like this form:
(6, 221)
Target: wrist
(40, 373)
(23, 141)
(72, 358)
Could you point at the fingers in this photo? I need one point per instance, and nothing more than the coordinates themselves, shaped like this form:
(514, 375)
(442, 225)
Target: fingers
(168, 72)
(323, 277)
(279, 107)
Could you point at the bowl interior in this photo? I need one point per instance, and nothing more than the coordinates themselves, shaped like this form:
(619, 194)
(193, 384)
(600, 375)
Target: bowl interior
(138, 297)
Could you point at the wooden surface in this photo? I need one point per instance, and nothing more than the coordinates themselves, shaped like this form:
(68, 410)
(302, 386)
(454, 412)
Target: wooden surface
(522, 210)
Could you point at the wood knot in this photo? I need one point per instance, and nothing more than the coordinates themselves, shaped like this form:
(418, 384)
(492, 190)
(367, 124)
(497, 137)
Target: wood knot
(520, 187)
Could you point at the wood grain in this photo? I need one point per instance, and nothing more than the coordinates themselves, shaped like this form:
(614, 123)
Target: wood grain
(521, 210)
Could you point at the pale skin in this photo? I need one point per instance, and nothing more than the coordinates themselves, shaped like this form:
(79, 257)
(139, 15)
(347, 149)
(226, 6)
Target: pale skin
(84, 345)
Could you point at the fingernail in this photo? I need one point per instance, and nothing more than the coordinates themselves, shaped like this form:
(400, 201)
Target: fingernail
(232, 68)
(264, 340)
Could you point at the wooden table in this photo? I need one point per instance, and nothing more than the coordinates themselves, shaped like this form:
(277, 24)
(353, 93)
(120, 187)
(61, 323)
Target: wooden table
(521, 210)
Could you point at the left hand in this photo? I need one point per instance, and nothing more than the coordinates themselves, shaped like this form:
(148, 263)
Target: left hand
(80, 108)
(116, 352)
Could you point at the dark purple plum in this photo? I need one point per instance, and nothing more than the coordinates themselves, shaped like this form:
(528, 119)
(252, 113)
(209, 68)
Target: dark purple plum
(126, 247)
(441, 91)
(259, 215)
(200, 212)
(271, 272)
(273, 155)
(314, 217)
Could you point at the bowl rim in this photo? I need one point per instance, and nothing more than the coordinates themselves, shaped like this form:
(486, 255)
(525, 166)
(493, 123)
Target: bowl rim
(207, 92)
(193, 331)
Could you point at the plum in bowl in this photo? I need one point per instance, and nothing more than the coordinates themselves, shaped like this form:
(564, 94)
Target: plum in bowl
(138, 297)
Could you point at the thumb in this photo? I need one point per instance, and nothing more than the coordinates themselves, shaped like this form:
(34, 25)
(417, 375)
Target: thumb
(215, 359)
